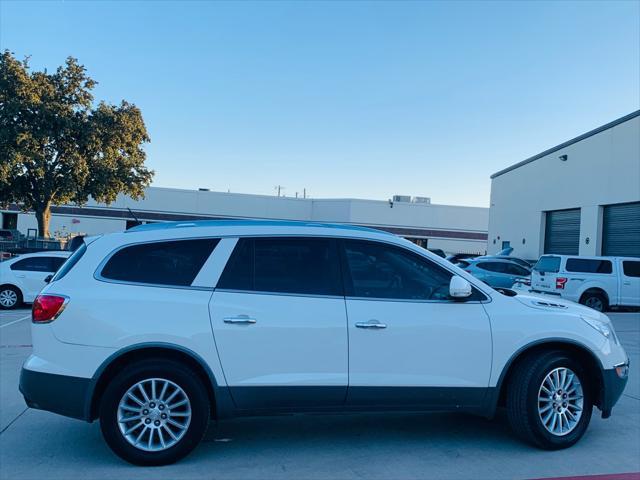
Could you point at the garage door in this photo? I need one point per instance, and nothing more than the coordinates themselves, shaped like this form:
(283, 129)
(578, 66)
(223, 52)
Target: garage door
(621, 230)
(562, 232)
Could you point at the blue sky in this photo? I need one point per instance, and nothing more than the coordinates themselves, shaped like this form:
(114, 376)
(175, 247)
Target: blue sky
(346, 99)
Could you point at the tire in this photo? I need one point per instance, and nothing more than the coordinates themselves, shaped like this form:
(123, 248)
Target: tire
(10, 297)
(192, 416)
(524, 407)
(595, 300)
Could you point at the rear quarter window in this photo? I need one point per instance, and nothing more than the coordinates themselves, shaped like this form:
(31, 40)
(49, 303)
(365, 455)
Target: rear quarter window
(585, 265)
(173, 263)
(70, 262)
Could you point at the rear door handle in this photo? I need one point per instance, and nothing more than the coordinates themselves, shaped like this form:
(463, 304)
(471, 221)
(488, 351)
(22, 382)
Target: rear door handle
(246, 319)
(371, 324)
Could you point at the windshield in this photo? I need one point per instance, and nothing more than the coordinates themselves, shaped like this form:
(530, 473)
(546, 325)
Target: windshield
(548, 264)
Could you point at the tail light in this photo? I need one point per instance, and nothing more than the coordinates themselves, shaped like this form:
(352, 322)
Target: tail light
(560, 282)
(46, 308)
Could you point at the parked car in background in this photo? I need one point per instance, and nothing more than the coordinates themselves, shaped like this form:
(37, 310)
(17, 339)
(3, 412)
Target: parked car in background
(438, 251)
(22, 277)
(301, 313)
(597, 282)
(495, 272)
(520, 261)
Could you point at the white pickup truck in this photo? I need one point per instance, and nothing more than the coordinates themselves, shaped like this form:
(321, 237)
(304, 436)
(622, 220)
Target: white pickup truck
(597, 282)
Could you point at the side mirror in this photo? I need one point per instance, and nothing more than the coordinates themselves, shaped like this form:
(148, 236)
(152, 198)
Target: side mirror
(48, 278)
(459, 288)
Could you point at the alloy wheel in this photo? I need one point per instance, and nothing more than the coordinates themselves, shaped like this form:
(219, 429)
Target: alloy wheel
(560, 401)
(8, 298)
(154, 414)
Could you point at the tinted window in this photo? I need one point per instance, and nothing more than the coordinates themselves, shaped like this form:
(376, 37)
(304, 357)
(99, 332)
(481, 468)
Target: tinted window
(284, 265)
(588, 266)
(34, 264)
(56, 263)
(512, 269)
(631, 268)
(160, 263)
(548, 264)
(493, 266)
(377, 270)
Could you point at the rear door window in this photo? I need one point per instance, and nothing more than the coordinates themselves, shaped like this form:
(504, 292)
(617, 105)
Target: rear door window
(585, 265)
(174, 263)
(548, 264)
(34, 264)
(291, 265)
(513, 269)
(631, 268)
(493, 267)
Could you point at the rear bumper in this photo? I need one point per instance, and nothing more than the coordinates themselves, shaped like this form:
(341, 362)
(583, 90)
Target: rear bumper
(59, 394)
(612, 387)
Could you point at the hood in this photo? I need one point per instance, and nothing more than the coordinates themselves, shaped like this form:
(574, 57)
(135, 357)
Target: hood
(549, 303)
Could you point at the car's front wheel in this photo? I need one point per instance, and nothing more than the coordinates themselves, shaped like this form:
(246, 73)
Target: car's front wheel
(154, 412)
(549, 401)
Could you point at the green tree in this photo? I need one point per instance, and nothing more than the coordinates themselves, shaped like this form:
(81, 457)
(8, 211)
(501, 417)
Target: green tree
(57, 146)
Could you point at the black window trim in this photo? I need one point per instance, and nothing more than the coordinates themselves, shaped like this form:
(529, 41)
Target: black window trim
(343, 265)
(97, 274)
(237, 237)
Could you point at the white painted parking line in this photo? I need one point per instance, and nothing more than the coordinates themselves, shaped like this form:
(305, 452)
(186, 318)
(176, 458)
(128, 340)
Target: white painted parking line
(15, 321)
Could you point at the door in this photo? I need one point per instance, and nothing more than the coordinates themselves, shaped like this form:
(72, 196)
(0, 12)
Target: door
(621, 230)
(279, 322)
(630, 283)
(409, 344)
(562, 232)
(32, 271)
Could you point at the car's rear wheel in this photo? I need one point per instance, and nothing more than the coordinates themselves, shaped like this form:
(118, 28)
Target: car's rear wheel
(154, 412)
(549, 401)
(10, 297)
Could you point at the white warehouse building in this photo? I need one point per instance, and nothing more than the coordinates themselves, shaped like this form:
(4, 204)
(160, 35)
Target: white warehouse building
(579, 198)
(451, 228)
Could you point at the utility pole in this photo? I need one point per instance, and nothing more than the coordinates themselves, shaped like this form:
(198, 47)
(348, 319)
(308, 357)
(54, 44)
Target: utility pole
(304, 193)
(279, 189)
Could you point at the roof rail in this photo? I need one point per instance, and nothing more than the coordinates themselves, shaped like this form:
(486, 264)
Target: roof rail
(247, 223)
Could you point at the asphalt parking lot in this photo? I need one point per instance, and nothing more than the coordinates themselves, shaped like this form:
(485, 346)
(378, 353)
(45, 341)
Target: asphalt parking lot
(35, 444)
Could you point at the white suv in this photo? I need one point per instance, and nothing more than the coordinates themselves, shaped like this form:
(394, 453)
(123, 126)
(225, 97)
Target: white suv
(597, 282)
(158, 329)
(22, 277)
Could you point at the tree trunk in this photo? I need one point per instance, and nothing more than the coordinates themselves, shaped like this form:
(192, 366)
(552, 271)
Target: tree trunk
(43, 215)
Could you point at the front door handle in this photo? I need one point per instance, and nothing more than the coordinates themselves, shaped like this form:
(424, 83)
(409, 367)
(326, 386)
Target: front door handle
(246, 319)
(371, 324)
